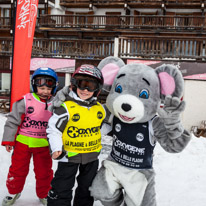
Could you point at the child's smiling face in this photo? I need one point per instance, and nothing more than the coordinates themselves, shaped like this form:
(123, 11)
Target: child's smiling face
(44, 92)
(84, 94)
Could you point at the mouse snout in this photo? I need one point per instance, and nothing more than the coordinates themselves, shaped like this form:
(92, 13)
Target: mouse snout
(126, 107)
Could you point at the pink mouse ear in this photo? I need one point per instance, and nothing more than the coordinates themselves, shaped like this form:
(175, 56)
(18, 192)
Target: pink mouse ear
(167, 83)
(109, 72)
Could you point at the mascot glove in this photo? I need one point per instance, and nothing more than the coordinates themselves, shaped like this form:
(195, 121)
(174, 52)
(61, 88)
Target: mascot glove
(170, 114)
(59, 98)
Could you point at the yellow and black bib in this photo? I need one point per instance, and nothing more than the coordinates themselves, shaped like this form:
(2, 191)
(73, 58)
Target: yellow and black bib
(82, 132)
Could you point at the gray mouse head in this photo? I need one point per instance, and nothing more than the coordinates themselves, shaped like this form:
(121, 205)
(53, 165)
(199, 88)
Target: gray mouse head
(137, 90)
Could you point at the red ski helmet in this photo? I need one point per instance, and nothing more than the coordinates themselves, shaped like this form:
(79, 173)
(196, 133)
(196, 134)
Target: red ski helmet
(91, 71)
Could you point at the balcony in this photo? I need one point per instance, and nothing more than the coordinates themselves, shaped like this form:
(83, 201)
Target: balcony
(6, 45)
(159, 48)
(191, 4)
(45, 1)
(5, 2)
(141, 47)
(74, 48)
(12, 1)
(5, 23)
(125, 23)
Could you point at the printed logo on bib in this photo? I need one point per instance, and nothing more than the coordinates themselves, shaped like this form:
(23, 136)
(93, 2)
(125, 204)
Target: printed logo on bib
(75, 132)
(30, 110)
(117, 127)
(82, 140)
(99, 115)
(139, 137)
(32, 123)
(76, 117)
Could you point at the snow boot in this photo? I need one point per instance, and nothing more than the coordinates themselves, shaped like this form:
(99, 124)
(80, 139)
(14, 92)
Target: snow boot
(10, 199)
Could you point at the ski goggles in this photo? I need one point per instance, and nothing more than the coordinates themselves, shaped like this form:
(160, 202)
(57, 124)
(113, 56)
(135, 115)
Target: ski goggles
(90, 85)
(39, 82)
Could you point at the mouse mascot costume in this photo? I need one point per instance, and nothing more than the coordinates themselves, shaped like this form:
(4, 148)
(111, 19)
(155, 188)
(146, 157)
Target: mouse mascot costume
(126, 177)
(136, 92)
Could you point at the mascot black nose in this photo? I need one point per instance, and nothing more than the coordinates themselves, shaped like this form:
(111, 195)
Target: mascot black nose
(126, 107)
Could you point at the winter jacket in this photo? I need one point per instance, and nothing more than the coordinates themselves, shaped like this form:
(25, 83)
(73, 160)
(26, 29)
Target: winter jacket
(56, 127)
(14, 121)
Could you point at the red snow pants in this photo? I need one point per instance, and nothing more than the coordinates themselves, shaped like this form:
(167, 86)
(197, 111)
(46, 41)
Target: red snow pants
(19, 169)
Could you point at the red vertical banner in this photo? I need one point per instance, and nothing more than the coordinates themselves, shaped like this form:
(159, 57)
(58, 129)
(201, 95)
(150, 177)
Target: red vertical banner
(26, 13)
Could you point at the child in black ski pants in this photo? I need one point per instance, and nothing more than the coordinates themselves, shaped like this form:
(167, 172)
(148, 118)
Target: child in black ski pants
(75, 139)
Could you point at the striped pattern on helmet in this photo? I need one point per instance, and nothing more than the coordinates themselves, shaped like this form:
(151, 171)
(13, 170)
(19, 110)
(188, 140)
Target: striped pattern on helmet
(90, 70)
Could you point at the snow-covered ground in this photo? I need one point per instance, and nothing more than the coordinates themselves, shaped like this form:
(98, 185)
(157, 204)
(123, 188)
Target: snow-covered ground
(180, 178)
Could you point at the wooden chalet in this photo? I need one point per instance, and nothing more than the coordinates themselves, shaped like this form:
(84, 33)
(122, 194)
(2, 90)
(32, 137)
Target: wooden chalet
(89, 30)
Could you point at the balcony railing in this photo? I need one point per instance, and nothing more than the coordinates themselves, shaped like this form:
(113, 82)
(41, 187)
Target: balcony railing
(11, 2)
(5, 2)
(191, 4)
(6, 45)
(183, 1)
(72, 48)
(132, 1)
(125, 22)
(132, 47)
(162, 47)
(5, 22)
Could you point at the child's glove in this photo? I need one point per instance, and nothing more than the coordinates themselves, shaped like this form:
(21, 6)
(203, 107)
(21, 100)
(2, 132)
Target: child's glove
(170, 114)
(59, 98)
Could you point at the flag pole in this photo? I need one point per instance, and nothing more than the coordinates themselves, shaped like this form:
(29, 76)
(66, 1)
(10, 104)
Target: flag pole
(13, 31)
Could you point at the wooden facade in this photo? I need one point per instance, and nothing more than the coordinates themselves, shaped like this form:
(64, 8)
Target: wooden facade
(140, 29)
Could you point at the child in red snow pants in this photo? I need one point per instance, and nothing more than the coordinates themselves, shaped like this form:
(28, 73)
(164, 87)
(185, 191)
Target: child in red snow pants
(20, 168)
